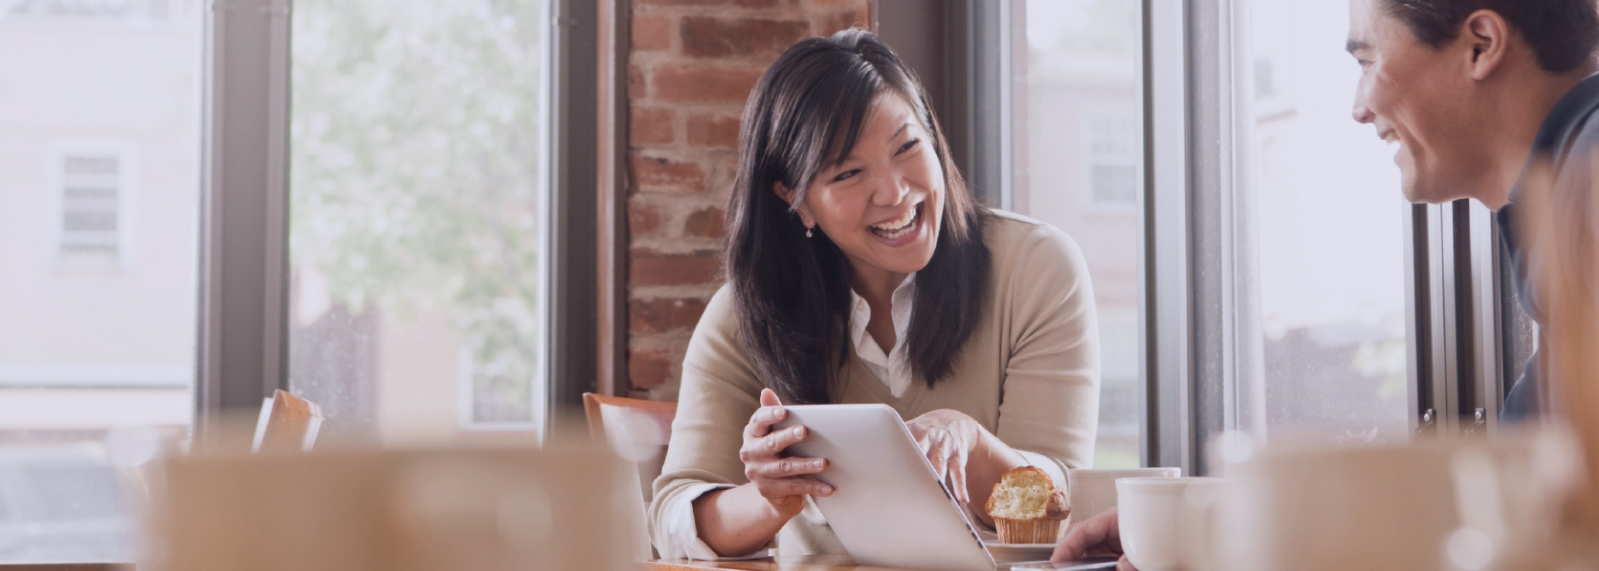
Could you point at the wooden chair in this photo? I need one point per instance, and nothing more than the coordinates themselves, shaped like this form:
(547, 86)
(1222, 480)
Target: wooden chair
(638, 430)
(287, 424)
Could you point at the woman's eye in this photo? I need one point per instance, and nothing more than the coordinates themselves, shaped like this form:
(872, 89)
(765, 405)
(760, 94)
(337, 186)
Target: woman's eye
(908, 146)
(846, 175)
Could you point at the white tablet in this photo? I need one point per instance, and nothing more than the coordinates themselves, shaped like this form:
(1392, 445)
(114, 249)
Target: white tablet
(888, 507)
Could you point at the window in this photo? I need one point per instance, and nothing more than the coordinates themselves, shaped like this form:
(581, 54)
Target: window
(99, 153)
(1115, 160)
(1329, 232)
(418, 231)
(91, 211)
(1080, 168)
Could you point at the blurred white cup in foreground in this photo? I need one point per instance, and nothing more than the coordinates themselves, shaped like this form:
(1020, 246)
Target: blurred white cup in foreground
(1166, 522)
(1093, 492)
(1467, 505)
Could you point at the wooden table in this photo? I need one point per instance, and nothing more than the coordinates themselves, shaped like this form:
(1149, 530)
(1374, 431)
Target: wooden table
(800, 563)
(803, 563)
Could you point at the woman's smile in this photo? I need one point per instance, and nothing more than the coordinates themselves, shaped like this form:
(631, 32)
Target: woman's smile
(903, 229)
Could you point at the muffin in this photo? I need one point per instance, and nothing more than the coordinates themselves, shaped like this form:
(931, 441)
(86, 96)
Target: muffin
(1027, 507)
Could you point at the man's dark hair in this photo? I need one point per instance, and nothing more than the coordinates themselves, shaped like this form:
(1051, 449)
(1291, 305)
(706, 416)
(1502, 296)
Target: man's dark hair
(1563, 33)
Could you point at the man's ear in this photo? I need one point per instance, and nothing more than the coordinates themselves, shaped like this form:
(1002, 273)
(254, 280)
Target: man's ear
(1489, 37)
(787, 194)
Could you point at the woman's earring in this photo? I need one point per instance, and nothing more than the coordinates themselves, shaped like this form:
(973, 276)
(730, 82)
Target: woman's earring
(807, 232)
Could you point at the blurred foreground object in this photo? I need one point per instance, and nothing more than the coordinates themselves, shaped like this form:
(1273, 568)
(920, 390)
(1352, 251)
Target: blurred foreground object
(479, 509)
(638, 431)
(1462, 505)
(1559, 220)
(62, 504)
(288, 424)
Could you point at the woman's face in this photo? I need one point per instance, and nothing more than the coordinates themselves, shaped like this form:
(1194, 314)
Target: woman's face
(883, 204)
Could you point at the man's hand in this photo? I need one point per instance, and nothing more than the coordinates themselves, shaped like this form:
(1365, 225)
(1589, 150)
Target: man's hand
(1098, 536)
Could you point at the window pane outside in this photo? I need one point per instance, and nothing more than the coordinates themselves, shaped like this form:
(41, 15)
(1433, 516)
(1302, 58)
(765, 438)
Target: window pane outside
(1330, 233)
(416, 235)
(1079, 166)
(99, 202)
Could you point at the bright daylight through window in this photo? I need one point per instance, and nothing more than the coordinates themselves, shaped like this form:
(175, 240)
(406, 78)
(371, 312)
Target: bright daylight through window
(417, 203)
(1330, 237)
(1079, 166)
(99, 198)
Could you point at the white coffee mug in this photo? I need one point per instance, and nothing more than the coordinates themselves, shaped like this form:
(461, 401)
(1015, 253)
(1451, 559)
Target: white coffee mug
(1093, 492)
(1165, 523)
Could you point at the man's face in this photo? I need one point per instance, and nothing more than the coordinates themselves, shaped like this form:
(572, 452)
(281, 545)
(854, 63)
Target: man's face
(1419, 99)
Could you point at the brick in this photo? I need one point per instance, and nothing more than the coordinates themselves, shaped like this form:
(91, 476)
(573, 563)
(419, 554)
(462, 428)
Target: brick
(829, 5)
(734, 3)
(663, 315)
(702, 84)
(647, 268)
(652, 368)
(707, 223)
(718, 37)
(642, 218)
(718, 131)
(637, 88)
(652, 33)
(833, 23)
(651, 126)
(656, 174)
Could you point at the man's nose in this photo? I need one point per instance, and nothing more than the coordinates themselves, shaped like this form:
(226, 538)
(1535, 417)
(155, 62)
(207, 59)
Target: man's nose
(1363, 115)
(1362, 112)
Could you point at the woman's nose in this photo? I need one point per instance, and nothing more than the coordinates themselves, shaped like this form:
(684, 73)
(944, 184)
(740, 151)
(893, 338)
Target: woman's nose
(889, 190)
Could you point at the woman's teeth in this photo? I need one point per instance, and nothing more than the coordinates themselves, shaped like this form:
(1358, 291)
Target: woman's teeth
(897, 228)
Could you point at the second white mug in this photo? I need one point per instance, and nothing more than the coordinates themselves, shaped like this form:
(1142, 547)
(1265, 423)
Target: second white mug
(1093, 492)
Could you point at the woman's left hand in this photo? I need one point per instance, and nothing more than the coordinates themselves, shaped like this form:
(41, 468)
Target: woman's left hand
(948, 437)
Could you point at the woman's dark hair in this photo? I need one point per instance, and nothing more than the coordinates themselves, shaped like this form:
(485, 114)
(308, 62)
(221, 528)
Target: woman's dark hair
(1563, 33)
(792, 292)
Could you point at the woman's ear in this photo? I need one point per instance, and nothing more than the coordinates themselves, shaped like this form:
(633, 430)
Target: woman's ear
(787, 194)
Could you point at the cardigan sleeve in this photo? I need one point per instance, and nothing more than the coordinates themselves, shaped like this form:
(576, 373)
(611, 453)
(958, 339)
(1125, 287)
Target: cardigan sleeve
(1049, 406)
(719, 392)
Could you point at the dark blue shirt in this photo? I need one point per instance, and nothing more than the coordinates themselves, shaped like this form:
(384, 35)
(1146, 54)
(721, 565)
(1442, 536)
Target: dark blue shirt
(1566, 128)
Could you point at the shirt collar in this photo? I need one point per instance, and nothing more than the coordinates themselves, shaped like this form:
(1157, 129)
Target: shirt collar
(899, 311)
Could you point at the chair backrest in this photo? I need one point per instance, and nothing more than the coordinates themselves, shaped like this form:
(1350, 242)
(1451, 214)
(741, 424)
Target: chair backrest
(638, 430)
(287, 423)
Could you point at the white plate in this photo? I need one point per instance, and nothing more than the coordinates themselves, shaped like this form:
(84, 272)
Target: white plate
(1009, 552)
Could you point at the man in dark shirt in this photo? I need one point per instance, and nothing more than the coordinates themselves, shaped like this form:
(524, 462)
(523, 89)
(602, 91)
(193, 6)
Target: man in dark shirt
(1471, 91)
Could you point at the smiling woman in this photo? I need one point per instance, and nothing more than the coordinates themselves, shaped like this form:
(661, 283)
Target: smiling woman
(861, 270)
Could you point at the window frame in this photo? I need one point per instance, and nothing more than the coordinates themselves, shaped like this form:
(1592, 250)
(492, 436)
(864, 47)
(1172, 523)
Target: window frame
(1460, 298)
(243, 347)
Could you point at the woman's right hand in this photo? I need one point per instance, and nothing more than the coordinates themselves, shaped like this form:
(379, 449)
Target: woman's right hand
(782, 480)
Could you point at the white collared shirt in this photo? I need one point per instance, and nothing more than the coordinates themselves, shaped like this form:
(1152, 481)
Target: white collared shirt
(894, 367)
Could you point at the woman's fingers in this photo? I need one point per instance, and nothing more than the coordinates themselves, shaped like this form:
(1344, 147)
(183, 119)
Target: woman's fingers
(769, 446)
(787, 467)
(957, 477)
(761, 422)
(777, 489)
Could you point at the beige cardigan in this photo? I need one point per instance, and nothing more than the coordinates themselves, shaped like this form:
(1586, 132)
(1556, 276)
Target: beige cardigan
(1029, 374)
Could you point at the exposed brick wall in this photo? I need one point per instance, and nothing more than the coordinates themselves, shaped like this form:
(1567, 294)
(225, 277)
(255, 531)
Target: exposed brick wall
(692, 65)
